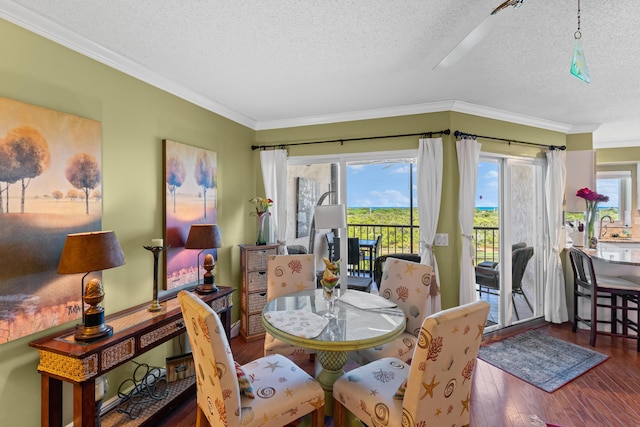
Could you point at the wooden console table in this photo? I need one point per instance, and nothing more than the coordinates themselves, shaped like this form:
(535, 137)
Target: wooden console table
(135, 331)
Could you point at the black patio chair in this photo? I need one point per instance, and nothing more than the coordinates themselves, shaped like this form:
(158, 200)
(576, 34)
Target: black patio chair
(488, 276)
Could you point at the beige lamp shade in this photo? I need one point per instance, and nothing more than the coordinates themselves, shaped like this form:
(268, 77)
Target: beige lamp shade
(91, 251)
(330, 216)
(204, 236)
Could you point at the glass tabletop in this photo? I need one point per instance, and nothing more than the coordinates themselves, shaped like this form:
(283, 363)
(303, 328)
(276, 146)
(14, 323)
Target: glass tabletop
(354, 328)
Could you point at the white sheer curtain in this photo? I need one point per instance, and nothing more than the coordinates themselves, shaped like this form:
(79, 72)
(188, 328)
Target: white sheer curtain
(468, 156)
(274, 176)
(429, 194)
(555, 301)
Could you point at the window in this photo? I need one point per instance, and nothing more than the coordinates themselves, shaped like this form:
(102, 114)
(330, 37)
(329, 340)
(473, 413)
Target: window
(377, 187)
(616, 185)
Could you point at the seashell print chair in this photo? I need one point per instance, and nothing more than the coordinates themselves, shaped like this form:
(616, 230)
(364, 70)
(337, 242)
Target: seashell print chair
(287, 274)
(270, 391)
(433, 391)
(407, 284)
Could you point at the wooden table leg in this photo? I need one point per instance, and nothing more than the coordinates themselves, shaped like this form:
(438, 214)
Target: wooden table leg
(84, 403)
(51, 404)
(227, 322)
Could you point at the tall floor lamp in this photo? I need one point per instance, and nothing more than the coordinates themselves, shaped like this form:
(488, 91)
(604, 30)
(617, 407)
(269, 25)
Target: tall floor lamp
(334, 217)
(312, 228)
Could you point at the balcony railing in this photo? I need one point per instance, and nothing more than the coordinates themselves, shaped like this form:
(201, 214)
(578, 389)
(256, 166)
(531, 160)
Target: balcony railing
(486, 241)
(396, 239)
(406, 239)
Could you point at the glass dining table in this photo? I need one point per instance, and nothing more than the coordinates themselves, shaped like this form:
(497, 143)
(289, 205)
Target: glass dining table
(362, 320)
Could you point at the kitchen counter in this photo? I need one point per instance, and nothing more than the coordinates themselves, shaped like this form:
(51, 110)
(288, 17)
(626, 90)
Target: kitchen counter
(614, 254)
(621, 240)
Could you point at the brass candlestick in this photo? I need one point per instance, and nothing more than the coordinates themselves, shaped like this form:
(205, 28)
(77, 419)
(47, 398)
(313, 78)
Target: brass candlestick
(155, 304)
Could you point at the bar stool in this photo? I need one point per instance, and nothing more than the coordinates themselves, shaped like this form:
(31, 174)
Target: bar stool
(618, 295)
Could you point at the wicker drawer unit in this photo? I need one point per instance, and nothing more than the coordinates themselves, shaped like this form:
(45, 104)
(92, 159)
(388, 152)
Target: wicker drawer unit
(253, 296)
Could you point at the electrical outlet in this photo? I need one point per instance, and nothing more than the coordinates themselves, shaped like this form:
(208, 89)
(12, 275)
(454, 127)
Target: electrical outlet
(442, 239)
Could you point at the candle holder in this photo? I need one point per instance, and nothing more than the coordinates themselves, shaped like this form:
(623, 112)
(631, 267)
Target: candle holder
(155, 305)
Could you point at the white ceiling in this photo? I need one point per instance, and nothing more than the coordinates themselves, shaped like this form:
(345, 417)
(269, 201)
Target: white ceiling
(280, 63)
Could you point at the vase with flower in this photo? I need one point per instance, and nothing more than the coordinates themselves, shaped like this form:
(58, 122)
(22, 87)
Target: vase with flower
(262, 205)
(591, 199)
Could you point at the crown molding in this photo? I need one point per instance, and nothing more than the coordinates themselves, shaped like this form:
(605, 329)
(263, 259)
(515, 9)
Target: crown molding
(432, 107)
(618, 143)
(507, 116)
(350, 116)
(50, 30)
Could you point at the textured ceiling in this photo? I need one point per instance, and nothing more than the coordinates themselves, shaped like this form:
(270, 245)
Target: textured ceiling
(285, 62)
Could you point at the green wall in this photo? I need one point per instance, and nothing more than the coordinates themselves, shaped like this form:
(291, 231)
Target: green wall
(135, 117)
(448, 257)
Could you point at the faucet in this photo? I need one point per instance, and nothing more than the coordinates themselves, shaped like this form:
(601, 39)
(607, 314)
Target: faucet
(603, 231)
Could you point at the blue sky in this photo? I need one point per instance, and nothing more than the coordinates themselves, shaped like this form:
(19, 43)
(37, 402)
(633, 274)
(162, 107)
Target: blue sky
(379, 185)
(488, 185)
(387, 185)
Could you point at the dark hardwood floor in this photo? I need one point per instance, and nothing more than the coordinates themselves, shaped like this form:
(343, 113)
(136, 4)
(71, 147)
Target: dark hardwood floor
(608, 395)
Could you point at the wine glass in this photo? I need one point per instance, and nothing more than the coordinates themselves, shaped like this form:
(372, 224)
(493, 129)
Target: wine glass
(330, 296)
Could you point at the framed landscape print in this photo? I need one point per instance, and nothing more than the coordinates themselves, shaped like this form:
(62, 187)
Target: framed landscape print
(50, 186)
(191, 185)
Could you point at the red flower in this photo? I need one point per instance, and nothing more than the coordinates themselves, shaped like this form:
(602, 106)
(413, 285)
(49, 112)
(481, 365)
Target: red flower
(591, 196)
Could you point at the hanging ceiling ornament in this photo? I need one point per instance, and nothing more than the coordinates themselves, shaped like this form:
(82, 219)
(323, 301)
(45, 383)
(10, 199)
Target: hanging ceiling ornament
(579, 63)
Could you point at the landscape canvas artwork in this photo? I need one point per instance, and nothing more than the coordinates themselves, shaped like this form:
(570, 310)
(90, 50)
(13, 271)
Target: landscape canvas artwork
(50, 186)
(308, 194)
(191, 186)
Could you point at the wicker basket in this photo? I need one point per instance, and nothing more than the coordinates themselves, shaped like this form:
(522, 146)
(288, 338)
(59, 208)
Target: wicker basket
(257, 281)
(257, 302)
(255, 324)
(257, 260)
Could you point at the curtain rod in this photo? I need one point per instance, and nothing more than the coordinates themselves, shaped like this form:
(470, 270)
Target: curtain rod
(514, 141)
(343, 140)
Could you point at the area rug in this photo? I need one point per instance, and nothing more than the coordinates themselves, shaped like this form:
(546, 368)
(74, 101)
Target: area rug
(540, 359)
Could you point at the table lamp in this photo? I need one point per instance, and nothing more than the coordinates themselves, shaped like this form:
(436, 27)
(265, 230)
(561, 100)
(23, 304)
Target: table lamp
(205, 236)
(84, 253)
(330, 217)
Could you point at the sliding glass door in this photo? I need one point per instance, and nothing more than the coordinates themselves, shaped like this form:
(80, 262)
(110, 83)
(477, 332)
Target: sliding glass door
(510, 238)
(378, 189)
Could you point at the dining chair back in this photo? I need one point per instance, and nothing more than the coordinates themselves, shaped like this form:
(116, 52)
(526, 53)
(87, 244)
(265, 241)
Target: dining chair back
(369, 257)
(407, 284)
(287, 274)
(250, 395)
(434, 390)
(290, 273)
(354, 256)
(615, 298)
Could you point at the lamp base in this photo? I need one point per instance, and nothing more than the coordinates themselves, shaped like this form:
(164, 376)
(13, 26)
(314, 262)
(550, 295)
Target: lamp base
(93, 327)
(207, 288)
(92, 333)
(155, 306)
(208, 283)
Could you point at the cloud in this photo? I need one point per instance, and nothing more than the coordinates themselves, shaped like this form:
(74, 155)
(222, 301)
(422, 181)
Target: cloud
(356, 168)
(388, 198)
(404, 169)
